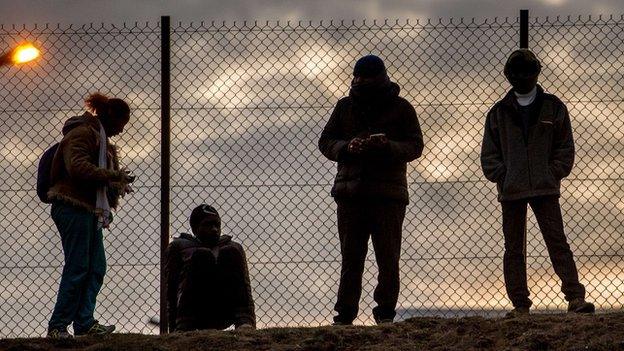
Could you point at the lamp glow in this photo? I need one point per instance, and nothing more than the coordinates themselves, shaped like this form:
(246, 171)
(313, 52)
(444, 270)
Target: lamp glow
(25, 53)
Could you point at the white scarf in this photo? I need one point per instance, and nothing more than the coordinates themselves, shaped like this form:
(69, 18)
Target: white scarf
(102, 207)
(528, 98)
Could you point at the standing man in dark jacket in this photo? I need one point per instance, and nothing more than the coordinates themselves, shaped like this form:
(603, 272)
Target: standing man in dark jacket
(372, 134)
(207, 278)
(527, 149)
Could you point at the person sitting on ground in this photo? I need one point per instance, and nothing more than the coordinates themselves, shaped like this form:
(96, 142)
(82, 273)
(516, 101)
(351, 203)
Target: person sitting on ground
(207, 278)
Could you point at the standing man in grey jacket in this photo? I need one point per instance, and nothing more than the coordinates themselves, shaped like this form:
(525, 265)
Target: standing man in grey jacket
(527, 149)
(372, 134)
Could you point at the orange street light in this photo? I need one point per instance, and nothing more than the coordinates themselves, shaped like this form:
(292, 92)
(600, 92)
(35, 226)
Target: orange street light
(21, 54)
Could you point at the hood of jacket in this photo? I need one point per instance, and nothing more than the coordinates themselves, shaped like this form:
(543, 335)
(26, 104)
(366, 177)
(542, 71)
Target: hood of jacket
(374, 94)
(86, 118)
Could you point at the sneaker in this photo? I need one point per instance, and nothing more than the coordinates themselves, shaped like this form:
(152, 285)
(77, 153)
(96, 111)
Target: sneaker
(385, 321)
(98, 329)
(245, 326)
(58, 333)
(518, 312)
(580, 306)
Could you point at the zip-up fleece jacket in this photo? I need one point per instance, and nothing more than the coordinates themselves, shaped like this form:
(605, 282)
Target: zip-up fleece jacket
(182, 303)
(75, 175)
(373, 175)
(524, 168)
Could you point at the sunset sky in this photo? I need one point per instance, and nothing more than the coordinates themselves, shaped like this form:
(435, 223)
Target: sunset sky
(247, 111)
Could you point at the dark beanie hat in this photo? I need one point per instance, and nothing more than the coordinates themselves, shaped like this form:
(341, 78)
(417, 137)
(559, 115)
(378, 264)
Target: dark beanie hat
(369, 66)
(200, 212)
(523, 59)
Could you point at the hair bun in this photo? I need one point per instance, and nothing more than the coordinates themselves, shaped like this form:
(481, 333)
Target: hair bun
(97, 103)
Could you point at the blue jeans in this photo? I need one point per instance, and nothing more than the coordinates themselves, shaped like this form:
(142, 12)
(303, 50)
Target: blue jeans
(85, 266)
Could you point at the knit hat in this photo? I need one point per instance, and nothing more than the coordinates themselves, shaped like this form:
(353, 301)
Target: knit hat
(369, 66)
(522, 60)
(199, 213)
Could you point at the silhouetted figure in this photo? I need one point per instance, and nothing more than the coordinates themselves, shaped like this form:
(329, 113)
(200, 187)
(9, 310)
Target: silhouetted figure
(372, 134)
(527, 149)
(207, 278)
(86, 184)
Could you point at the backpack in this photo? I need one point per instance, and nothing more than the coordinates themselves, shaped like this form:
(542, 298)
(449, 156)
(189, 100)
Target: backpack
(44, 173)
(44, 170)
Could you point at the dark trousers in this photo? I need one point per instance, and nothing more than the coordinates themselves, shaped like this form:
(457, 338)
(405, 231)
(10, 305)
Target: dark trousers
(548, 214)
(382, 220)
(85, 266)
(215, 294)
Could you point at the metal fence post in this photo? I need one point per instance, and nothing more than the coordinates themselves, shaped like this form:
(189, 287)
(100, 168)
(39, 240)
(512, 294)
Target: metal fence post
(524, 29)
(524, 44)
(165, 159)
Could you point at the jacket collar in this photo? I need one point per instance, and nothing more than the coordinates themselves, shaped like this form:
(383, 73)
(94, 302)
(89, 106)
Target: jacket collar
(223, 239)
(511, 101)
(546, 109)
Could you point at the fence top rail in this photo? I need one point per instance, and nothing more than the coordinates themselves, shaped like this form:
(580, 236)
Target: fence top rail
(577, 21)
(89, 28)
(331, 25)
(309, 25)
(393, 24)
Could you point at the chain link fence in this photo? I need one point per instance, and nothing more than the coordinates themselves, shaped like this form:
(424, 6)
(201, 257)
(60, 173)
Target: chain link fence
(248, 103)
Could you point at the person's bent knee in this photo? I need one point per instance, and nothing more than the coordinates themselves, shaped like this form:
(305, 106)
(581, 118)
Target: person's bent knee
(232, 250)
(202, 259)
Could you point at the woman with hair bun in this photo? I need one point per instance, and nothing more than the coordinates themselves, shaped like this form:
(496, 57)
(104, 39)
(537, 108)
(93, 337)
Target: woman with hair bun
(86, 185)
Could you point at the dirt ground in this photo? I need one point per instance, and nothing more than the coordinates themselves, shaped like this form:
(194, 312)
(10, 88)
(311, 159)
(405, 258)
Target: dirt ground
(537, 332)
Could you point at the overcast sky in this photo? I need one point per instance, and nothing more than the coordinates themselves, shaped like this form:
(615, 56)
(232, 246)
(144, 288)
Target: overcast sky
(84, 11)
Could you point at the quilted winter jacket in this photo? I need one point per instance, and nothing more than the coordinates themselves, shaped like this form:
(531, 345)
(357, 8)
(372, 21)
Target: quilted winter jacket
(379, 174)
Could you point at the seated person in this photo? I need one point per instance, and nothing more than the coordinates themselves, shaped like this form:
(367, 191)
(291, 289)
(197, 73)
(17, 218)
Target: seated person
(207, 278)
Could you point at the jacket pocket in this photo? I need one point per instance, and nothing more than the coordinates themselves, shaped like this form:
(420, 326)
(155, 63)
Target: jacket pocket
(545, 178)
(516, 181)
(552, 173)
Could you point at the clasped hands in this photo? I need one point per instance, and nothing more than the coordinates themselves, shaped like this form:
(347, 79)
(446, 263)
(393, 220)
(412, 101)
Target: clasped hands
(373, 142)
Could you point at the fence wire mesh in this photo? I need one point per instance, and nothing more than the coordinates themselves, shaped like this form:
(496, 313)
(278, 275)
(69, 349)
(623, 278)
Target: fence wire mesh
(248, 103)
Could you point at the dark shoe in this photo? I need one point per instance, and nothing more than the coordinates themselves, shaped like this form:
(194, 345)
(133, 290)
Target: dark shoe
(341, 319)
(58, 333)
(385, 321)
(341, 324)
(98, 329)
(518, 312)
(245, 326)
(581, 306)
